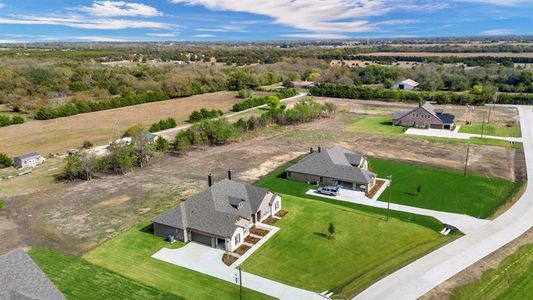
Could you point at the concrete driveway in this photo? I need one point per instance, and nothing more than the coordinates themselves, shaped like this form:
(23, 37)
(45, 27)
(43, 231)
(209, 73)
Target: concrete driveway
(455, 135)
(419, 277)
(208, 260)
(467, 224)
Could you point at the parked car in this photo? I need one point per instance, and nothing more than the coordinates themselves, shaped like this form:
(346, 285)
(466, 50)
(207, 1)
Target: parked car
(329, 190)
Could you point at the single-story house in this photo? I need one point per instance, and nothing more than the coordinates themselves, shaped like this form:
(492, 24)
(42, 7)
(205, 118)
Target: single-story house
(406, 84)
(334, 166)
(219, 216)
(28, 160)
(424, 116)
(21, 278)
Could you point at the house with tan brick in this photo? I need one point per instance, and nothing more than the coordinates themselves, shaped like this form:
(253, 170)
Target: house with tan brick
(424, 116)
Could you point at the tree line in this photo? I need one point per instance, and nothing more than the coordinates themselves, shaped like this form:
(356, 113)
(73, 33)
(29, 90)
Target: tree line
(258, 101)
(6, 120)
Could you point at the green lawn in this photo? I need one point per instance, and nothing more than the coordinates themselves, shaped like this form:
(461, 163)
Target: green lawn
(512, 279)
(129, 255)
(79, 279)
(443, 190)
(366, 247)
(492, 129)
(376, 124)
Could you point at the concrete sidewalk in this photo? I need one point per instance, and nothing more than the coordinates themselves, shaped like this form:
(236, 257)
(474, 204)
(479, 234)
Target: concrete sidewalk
(455, 135)
(465, 223)
(208, 260)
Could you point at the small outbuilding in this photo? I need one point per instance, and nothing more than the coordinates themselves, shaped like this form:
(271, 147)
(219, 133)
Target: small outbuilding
(406, 84)
(28, 160)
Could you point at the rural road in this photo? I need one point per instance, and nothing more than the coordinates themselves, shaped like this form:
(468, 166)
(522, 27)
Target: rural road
(419, 277)
(170, 134)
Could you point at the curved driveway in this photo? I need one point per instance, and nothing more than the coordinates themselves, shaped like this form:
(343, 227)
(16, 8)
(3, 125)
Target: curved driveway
(424, 274)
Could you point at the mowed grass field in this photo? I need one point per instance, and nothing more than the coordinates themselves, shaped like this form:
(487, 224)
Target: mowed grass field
(79, 279)
(59, 135)
(443, 190)
(129, 254)
(376, 124)
(512, 279)
(492, 129)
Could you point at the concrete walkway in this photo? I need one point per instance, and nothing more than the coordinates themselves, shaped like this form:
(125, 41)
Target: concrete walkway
(455, 135)
(419, 277)
(465, 223)
(208, 260)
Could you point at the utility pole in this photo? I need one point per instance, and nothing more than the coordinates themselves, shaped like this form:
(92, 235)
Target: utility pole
(390, 192)
(240, 281)
(483, 126)
(466, 160)
(490, 109)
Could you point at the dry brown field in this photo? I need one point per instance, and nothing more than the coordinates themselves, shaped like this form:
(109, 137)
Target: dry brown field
(59, 135)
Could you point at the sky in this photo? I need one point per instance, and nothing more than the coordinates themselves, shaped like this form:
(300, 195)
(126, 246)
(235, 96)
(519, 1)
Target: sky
(256, 20)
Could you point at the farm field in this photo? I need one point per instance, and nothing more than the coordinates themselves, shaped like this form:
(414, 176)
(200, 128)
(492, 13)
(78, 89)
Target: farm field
(512, 279)
(366, 247)
(79, 279)
(58, 135)
(443, 190)
(451, 54)
(492, 129)
(129, 255)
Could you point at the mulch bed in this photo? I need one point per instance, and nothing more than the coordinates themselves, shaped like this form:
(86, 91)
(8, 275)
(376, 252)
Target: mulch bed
(259, 232)
(375, 188)
(251, 240)
(270, 221)
(228, 259)
(282, 213)
(242, 249)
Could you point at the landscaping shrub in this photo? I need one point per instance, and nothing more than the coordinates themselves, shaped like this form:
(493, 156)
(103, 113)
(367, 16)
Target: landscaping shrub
(244, 93)
(87, 144)
(6, 120)
(161, 144)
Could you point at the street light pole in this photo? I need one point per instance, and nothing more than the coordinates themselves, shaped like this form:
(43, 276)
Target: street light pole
(483, 126)
(466, 160)
(390, 192)
(240, 281)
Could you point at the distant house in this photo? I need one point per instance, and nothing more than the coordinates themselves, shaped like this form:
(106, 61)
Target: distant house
(28, 160)
(335, 166)
(21, 278)
(219, 216)
(424, 116)
(406, 84)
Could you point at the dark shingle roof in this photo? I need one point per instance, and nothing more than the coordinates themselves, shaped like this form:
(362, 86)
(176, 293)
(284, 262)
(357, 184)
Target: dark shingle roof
(21, 278)
(436, 112)
(214, 210)
(333, 163)
(447, 118)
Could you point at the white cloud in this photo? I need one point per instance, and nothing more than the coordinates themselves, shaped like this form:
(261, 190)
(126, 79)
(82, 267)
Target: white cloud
(331, 16)
(497, 32)
(83, 22)
(162, 34)
(2, 5)
(497, 2)
(10, 42)
(203, 35)
(318, 36)
(120, 9)
(100, 39)
(398, 22)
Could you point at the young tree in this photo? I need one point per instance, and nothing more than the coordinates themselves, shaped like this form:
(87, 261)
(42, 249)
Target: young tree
(87, 144)
(121, 158)
(331, 230)
(161, 144)
(287, 83)
(143, 150)
(418, 190)
(5, 161)
(244, 94)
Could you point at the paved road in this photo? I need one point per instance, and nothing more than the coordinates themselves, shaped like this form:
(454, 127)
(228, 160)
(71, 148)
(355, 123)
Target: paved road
(455, 134)
(467, 224)
(170, 134)
(424, 274)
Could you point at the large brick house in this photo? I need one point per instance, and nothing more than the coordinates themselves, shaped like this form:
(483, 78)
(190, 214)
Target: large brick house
(424, 116)
(334, 166)
(220, 216)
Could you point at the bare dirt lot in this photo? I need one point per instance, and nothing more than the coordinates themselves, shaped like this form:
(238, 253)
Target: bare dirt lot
(58, 135)
(75, 217)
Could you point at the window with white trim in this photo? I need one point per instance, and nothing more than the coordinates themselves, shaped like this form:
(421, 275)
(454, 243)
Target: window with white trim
(237, 239)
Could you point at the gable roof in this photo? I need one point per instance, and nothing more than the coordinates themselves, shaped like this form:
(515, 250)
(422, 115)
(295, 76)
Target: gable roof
(21, 278)
(337, 163)
(215, 210)
(436, 112)
(28, 156)
(408, 81)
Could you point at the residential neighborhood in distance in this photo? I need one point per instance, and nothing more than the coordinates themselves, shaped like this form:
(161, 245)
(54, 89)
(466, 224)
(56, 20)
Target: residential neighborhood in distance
(362, 150)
